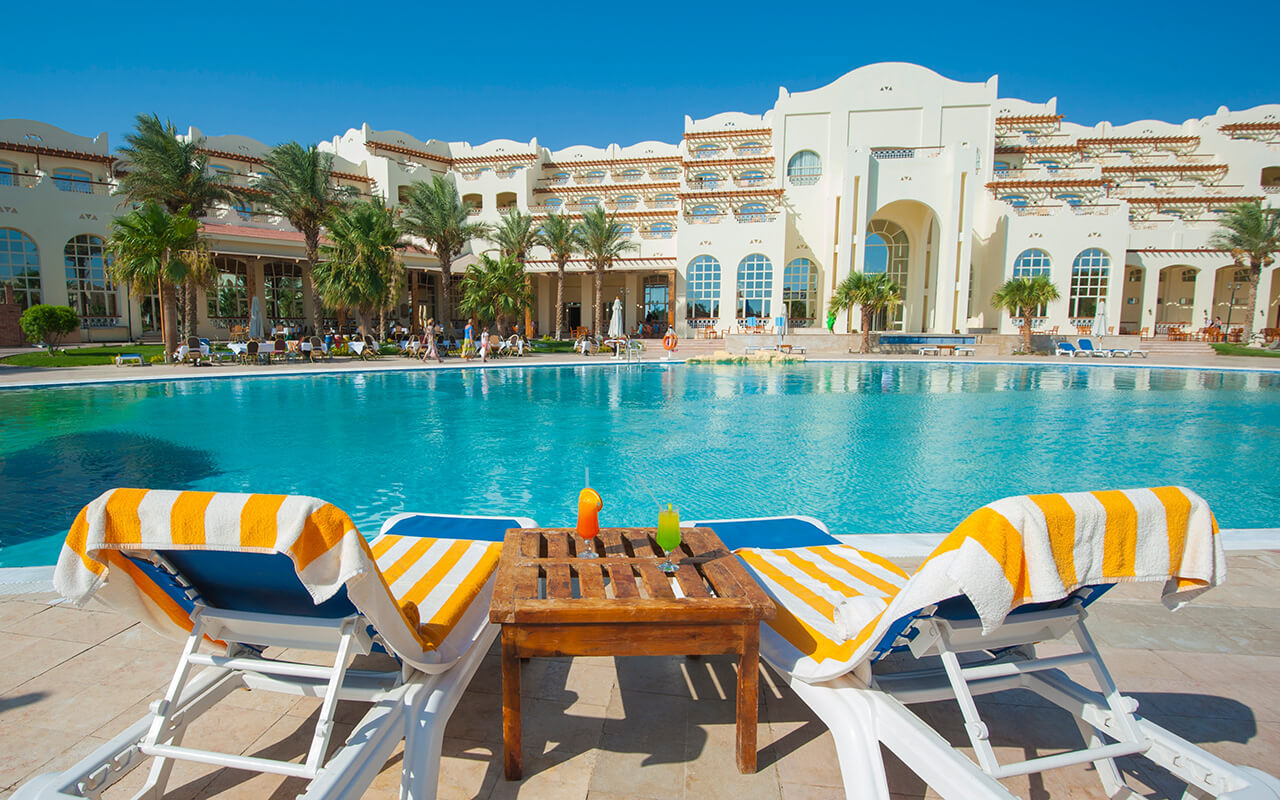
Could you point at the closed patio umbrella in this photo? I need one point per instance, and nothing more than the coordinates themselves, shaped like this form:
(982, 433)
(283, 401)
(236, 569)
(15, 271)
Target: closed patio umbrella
(255, 319)
(615, 322)
(1100, 319)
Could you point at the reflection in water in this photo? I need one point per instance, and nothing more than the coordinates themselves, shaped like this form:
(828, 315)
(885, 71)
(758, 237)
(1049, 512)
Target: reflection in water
(43, 486)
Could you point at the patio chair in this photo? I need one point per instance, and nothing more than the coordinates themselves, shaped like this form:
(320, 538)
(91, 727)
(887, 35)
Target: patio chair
(860, 641)
(250, 354)
(234, 574)
(194, 351)
(1086, 347)
(318, 350)
(1068, 349)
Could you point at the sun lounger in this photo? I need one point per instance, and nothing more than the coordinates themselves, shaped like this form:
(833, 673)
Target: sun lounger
(860, 641)
(1086, 346)
(964, 350)
(1127, 352)
(126, 359)
(233, 574)
(930, 350)
(1068, 349)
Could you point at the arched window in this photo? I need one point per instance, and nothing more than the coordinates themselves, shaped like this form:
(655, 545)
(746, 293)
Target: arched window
(593, 176)
(706, 151)
(755, 286)
(662, 230)
(8, 173)
(705, 213)
(888, 252)
(1088, 282)
(590, 201)
(804, 168)
(89, 289)
(284, 290)
(706, 180)
(667, 174)
(631, 175)
(1173, 212)
(229, 295)
(560, 178)
(752, 177)
(1072, 200)
(1031, 263)
(753, 212)
(750, 148)
(219, 169)
(554, 204)
(1015, 200)
(1050, 164)
(243, 207)
(626, 229)
(628, 201)
(664, 201)
(1000, 167)
(703, 275)
(20, 266)
(73, 180)
(800, 292)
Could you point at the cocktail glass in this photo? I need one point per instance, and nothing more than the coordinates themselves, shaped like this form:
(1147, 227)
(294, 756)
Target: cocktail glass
(668, 537)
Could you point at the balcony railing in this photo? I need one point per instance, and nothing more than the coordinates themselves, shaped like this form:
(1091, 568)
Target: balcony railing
(100, 322)
(474, 211)
(81, 186)
(664, 204)
(18, 180)
(657, 234)
(590, 179)
(803, 180)
(754, 216)
(751, 181)
(1271, 189)
(704, 183)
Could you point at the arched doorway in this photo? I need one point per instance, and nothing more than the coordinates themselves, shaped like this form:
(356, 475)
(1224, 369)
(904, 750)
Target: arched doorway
(1135, 282)
(1175, 297)
(902, 241)
(888, 252)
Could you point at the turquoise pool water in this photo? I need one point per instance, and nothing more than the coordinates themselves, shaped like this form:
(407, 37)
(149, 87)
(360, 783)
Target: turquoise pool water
(866, 447)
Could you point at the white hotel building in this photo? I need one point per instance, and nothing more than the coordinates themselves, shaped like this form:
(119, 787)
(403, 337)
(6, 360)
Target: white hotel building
(945, 185)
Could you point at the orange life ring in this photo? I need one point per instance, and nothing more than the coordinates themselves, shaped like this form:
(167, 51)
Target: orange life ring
(669, 340)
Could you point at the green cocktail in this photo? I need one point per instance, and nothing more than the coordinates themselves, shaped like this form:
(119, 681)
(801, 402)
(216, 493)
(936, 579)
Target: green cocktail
(668, 537)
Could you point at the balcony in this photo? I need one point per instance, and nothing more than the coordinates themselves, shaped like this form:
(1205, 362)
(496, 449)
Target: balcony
(660, 234)
(703, 219)
(1273, 188)
(757, 216)
(705, 183)
(18, 180)
(752, 181)
(896, 153)
(81, 186)
(664, 203)
(590, 179)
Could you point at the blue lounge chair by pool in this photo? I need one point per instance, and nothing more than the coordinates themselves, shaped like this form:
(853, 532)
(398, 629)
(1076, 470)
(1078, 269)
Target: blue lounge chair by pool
(1068, 349)
(250, 572)
(844, 612)
(1086, 346)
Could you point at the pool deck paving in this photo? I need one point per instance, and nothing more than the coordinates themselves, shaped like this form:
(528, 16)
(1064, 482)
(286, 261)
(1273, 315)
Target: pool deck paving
(15, 376)
(662, 728)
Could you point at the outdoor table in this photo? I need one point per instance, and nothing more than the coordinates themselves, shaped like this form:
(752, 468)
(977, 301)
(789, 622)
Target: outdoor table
(549, 602)
(946, 349)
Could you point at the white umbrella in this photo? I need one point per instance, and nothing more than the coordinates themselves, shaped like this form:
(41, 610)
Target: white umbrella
(255, 319)
(1100, 319)
(615, 322)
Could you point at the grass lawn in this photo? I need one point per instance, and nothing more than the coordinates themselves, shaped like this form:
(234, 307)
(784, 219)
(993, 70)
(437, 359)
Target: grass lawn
(1228, 349)
(82, 356)
(553, 346)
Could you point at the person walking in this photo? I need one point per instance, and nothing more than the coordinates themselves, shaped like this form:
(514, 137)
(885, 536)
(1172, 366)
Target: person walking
(484, 346)
(432, 350)
(468, 342)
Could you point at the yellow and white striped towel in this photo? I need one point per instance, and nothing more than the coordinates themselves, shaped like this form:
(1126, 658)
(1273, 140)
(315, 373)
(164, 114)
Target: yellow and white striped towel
(432, 582)
(1019, 550)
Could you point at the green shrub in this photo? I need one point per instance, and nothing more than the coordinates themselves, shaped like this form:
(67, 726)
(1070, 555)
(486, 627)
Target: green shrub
(48, 324)
(158, 359)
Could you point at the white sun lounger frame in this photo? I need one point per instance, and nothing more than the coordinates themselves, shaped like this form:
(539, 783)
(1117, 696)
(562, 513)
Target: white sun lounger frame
(863, 718)
(407, 703)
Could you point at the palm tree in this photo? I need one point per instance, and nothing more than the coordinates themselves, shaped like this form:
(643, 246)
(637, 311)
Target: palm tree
(295, 181)
(515, 237)
(477, 291)
(495, 289)
(436, 213)
(872, 292)
(148, 247)
(1023, 297)
(162, 168)
(560, 236)
(1252, 234)
(361, 269)
(602, 240)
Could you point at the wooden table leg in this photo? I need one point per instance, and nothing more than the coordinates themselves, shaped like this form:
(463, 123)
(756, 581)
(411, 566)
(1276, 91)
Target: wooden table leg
(510, 705)
(748, 698)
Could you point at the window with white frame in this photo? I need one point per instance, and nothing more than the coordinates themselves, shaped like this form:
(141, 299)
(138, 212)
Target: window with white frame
(755, 286)
(588, 202)
(705, 213)
(1015, 200)
(752, 177)
(626, 229)
(626, 201)
(20, 267)
(888, 252)
(554, 203)
(753, 212)
(229, 295)
(283, 281)
(1029, 264)
(800, 292)
(631, 175)
(593, 176)
(1089, 274)
(703, 275)
(706, 151)
(668, 174)
(1050, 165)
(560, 178)
(8, 173)
(750, 148)
(664, 201)
(1072, 200)
(706, 180)
(662, 230)
(804, 168)
(1000, 167)
(67, 179)
(89, 289)
(243, 208)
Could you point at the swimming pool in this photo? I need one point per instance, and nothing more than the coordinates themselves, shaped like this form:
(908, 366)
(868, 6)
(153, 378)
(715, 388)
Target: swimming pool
(868, 447)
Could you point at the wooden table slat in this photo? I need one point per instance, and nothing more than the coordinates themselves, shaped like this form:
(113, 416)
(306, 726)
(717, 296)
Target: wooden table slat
(611, 541)
(691, 582)
(530, 544)
(591, 579)
(655, 580)
(557, 546)
(558, 583)
(624, 581)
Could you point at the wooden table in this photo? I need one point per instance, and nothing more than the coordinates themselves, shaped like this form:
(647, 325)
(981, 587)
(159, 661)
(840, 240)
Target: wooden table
(946, 349)
(549, 602)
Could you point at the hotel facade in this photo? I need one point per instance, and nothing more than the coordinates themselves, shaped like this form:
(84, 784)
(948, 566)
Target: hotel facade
(944, 185)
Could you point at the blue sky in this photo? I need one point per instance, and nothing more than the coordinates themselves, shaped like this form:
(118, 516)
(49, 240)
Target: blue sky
(596, 73)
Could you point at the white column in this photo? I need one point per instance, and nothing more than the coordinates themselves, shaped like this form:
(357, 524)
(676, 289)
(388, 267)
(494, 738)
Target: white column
(728, 295)
(1202, 304)
(852, 227)
(631, 299)
(1150, 292)
(588, 284)
(1261, 318)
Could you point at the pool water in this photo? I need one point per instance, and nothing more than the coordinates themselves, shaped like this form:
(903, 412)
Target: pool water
(866, 447)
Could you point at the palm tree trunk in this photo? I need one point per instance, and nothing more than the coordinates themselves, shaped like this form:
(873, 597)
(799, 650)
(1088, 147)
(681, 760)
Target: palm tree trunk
(866, 330)
(169, 309)
(190, 300)
(382, 323)
(1026, 332)
(559, 301)
(313, 250)
(599, 310)
(1250, 301)
(446, 311)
